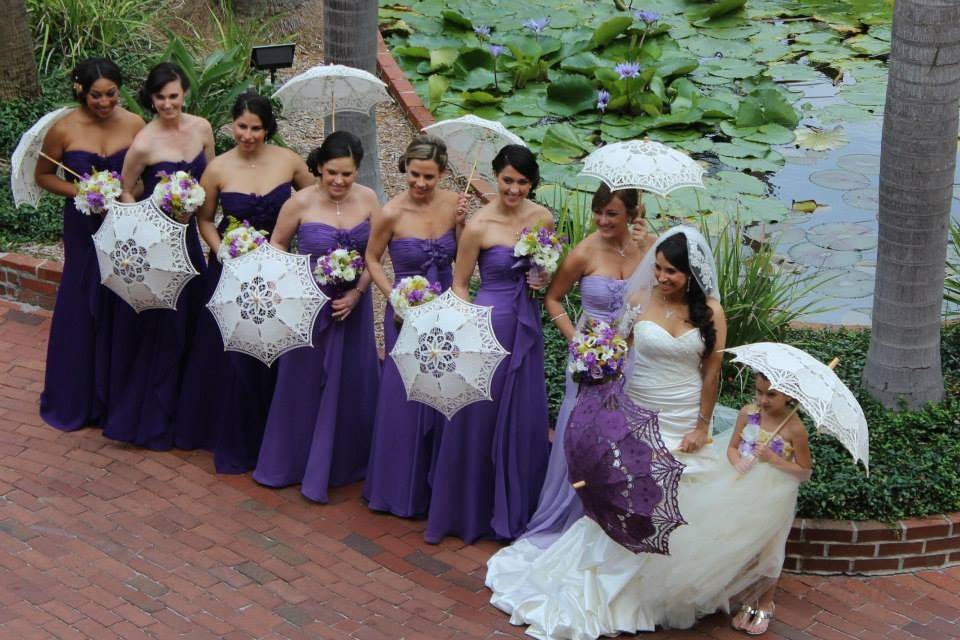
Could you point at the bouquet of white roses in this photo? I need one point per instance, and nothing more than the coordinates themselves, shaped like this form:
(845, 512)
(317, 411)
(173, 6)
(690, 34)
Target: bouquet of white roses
(240, 238)
(412, 291)
(178, 194)
(339, 268)
(96, 190)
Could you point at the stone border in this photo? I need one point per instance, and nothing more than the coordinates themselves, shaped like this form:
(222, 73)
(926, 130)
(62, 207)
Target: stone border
(30, 280)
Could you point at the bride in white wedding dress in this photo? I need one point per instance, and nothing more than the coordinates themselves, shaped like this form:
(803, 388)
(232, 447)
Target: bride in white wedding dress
(586, 585)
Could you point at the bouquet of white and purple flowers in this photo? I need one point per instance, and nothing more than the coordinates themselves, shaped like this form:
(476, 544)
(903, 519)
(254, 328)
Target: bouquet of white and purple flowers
(96, 190)
(178, 194)
(412, 291)
(339, 268)
(597, 353)
(239, 238)
(540, 247)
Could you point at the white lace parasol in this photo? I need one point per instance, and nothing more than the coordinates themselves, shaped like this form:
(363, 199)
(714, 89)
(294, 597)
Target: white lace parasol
(142, 254)
(447, 353)
(23, 162)
(643, 164)
(822, 394)
(324, 89)
(266, 303)
(473, 142)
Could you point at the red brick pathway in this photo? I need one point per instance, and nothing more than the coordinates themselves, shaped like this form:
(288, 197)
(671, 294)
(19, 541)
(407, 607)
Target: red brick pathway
(100, 540)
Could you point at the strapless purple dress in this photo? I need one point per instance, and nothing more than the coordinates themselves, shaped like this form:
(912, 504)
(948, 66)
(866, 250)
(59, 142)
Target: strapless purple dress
(149, 350)
(406, 434)
(493, 455)
(78, 352)
(559, 507)
(226, 395)
(321, 418)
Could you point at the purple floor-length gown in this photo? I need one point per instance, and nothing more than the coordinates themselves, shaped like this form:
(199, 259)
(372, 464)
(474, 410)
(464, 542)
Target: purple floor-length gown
(406, 433)
(149, 349)
(78, 352)
(559, 507)
(226, 395)
(493, 455)
(321, 418)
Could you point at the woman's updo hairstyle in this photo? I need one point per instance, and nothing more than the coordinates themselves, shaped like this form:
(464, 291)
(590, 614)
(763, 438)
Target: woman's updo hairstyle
(520, 158)
(339, 144)
(157, 79)
(253, 102)
(674, 250)
(629, 197)
(424, 147)
(89, 71)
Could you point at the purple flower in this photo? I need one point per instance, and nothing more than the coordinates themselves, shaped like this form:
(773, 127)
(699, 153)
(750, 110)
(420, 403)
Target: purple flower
(776, 445)
(603, 99)
(754, 418)
(628, 70)
(481, 30)
(538, 25)
(745, 448)
(646, 16)
(497, 50)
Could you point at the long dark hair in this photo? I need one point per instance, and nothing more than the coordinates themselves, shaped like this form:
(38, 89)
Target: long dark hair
(89, 71)
(674, 251)
(157, 79)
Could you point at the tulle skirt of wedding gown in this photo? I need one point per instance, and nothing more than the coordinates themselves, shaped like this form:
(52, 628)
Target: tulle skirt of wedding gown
(586, 585)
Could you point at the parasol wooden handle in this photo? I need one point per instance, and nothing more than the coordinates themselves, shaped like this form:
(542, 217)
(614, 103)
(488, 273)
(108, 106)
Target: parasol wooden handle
(472, 171)
(579, 484)
(62, 166)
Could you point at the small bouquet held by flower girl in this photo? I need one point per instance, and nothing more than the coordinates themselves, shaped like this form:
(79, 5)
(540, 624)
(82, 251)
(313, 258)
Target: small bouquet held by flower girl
(339, 268)
(412, 291)
(240, 238)
(597, 353)
(178, 194)
(97, 190)
(540, 247)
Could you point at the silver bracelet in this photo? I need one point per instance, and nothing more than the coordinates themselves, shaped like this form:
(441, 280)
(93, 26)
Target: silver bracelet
(559, 315)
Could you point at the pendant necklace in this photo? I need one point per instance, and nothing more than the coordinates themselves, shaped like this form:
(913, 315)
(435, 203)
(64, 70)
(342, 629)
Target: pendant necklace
(667, 312)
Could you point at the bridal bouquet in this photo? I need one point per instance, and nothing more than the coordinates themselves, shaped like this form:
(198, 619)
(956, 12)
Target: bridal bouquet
(95, 191)
(240, 238)
(412, 292)
(339, 267)
(178, 194)
(597, 353)
(541, 247)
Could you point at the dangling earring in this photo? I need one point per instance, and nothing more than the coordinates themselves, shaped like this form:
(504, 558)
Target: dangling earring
(688, 285)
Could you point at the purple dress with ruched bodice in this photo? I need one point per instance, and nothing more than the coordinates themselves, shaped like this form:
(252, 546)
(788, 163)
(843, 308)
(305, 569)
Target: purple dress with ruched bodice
(493, 454)
(78, 352)
(406, 434)
(149, 350)
(226, 395)
(321, 418)
(559, 507)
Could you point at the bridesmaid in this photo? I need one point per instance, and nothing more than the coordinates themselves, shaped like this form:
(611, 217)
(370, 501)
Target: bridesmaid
(321, 417)
(150, 348)
(601, 263)
(420, 226)
(226, 395)
(91, 138)
(493, 455)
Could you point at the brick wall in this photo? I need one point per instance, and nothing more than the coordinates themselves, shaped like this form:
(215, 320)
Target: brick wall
(30, 280)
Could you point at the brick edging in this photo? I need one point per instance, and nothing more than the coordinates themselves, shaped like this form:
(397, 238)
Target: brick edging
(29, 280)
(871, 547)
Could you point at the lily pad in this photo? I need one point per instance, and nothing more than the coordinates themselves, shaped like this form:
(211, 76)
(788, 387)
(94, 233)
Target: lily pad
(812, 255)
(872, 94)
(699, 145)
(866, 199)
(868, 45)
(741, 149)
(844, 283)
(731, 68)
(866, 163)
(839, 180)
(707, 47)
(843, 236)
(793, 72)
(776, 233)
(842, 113)
(771, 134)
(821, 139)
(803, 157)
(738, 182)
(732, 33)
(562, 144)
(752, 164)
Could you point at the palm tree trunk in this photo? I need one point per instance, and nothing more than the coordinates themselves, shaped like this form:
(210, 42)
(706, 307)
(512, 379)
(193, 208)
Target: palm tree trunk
(350, 38)
(917, 163)
(18, 74)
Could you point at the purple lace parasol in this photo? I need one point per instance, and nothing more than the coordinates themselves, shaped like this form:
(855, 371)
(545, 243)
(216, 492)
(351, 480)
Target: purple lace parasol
(625, 476)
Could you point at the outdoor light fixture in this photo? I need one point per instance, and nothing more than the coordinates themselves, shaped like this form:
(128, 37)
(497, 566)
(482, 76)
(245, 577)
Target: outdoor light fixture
(272, 57)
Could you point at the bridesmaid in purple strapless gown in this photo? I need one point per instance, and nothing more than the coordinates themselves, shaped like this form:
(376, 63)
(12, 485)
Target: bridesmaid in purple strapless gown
(609, 250)
(78, 351)
(493, 454)
(321, 415)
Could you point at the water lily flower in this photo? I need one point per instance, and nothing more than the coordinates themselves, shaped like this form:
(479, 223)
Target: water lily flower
(603, 99)
(497, 50)
(648, 17)
(628, 70)
(538, 25)
(481, 30)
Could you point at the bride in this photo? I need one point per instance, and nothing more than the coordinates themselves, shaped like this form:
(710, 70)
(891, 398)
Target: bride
(586, 585)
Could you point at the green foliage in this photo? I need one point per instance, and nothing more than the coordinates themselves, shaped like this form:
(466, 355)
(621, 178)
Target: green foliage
(27, 225)
(69, 30)
(951, 285)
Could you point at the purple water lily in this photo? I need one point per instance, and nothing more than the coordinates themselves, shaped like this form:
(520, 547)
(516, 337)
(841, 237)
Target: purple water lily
(537, 25)
(482, 31)
(497, 50)
(628, 70)
(649, 17)
(603, 99)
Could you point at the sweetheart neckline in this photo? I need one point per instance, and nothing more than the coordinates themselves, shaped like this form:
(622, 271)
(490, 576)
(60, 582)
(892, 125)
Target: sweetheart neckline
(685, 333)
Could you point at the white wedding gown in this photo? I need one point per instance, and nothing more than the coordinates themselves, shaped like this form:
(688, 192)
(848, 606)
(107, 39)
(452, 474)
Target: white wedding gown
(586, 585)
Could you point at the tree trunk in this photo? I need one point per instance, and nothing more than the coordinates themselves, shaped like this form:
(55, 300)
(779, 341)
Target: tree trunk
(917, 163)
(18, 74)
(350, 38)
